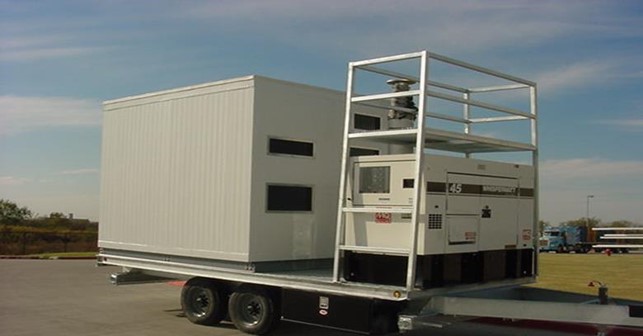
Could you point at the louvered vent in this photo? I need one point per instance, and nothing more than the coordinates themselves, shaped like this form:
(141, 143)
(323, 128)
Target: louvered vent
(435, 222)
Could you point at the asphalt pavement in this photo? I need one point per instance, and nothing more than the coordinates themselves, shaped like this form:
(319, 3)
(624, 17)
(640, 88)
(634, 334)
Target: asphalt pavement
(74, 297)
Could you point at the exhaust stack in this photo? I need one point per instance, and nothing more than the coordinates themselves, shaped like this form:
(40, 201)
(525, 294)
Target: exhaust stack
(403, 112)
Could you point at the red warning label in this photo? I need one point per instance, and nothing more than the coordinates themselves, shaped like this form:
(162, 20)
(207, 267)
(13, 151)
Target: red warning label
(526, 234)
(383, 217)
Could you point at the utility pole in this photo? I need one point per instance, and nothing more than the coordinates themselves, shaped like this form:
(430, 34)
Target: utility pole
(587, 212)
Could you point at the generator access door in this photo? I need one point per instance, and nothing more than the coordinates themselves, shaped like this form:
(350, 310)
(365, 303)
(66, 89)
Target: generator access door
(482, 212)
(462, 213)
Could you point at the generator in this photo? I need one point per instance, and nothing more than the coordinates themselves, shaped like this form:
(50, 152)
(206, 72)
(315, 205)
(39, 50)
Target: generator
(476, 220)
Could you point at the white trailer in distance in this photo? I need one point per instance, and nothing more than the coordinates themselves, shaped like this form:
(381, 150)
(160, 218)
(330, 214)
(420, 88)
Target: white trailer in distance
(392, 205)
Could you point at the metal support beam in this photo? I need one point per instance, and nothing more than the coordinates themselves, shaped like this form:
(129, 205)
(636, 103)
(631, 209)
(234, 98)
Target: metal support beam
(387, 59)
(478, 103)
(481, 69)
(498, 88)
(616, 315)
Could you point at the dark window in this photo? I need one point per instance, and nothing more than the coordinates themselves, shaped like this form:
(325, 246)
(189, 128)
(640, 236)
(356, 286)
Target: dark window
(407, 183)
(374, 180)
(357, 151)
(366, 122)
(290, 198)
(281, 146)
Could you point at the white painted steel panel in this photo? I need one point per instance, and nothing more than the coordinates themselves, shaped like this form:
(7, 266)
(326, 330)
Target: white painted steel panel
(176, 172)
(185, 171)
(305, 113)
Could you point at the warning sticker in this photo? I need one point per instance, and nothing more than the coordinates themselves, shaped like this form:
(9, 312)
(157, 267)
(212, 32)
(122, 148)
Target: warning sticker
(526, 234)
(383, 217)
(470, 235)
(324, 302)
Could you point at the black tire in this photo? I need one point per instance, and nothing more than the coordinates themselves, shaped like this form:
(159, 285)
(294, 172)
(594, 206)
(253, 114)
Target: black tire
(202, 302)
(254, 310)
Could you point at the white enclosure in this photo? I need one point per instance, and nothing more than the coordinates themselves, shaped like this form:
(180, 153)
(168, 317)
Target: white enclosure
(188, 172)
(468, 205)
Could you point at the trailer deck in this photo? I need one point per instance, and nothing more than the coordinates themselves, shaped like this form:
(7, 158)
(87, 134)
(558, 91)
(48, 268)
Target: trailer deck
(150, 268)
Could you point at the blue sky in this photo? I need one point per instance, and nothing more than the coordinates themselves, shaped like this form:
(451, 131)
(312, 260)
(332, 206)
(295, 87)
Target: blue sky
(60, 59)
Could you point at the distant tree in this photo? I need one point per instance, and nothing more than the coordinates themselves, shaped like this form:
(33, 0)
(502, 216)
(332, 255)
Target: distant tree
(621, 223)
(57, 220)
(57, 215)
(541, 226)
(590, 222)
(12, 214)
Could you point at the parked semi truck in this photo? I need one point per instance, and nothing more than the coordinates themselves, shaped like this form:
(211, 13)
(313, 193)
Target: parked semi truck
(578, 239)
(562, 239)
(363, 210)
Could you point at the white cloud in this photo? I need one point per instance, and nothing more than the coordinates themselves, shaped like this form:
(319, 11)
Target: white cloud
(575, 75)
(21, 46)
(13, 181)
(83, 171)
(589, 168)
(31, 54)
(627, 124)
(450, 27)
(382, 26)
(23, 114)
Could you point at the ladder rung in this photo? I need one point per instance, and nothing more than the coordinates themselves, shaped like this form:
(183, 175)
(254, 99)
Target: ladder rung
(368, 249)
(389, 133)
(373, 210)
(385, 96)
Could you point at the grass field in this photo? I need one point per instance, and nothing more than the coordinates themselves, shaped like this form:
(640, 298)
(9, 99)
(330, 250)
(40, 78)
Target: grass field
(623, 273)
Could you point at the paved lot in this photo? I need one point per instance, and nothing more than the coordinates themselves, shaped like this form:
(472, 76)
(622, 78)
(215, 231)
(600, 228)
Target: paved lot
(74, 297)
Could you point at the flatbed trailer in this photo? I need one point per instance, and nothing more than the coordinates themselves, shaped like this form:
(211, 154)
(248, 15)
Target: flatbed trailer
(620, 239)
(403, 254)
(368, 308)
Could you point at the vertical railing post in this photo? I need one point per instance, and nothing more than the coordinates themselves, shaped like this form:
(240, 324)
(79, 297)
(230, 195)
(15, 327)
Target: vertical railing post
(340, 231)
(418, 188)
(466, 115)
(534, 158)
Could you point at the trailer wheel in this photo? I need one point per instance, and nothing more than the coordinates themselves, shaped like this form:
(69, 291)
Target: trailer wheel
(253, 310)
(202, 302)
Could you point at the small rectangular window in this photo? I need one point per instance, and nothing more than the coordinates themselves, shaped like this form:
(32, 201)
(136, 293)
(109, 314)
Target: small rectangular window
(290, 147)
(289, 198)
(357, 151)
(366, 122)
(408, 183)
(374, 180)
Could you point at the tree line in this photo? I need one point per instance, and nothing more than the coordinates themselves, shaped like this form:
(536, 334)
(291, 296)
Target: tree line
(11, 214)
(23, 233)
(590, 223)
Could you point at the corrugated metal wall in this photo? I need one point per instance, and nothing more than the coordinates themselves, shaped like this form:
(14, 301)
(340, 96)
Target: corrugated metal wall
(305, 113)
(176, 172)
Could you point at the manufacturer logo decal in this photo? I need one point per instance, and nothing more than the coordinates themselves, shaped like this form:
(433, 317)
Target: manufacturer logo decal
(383, 217)
(486, 212)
